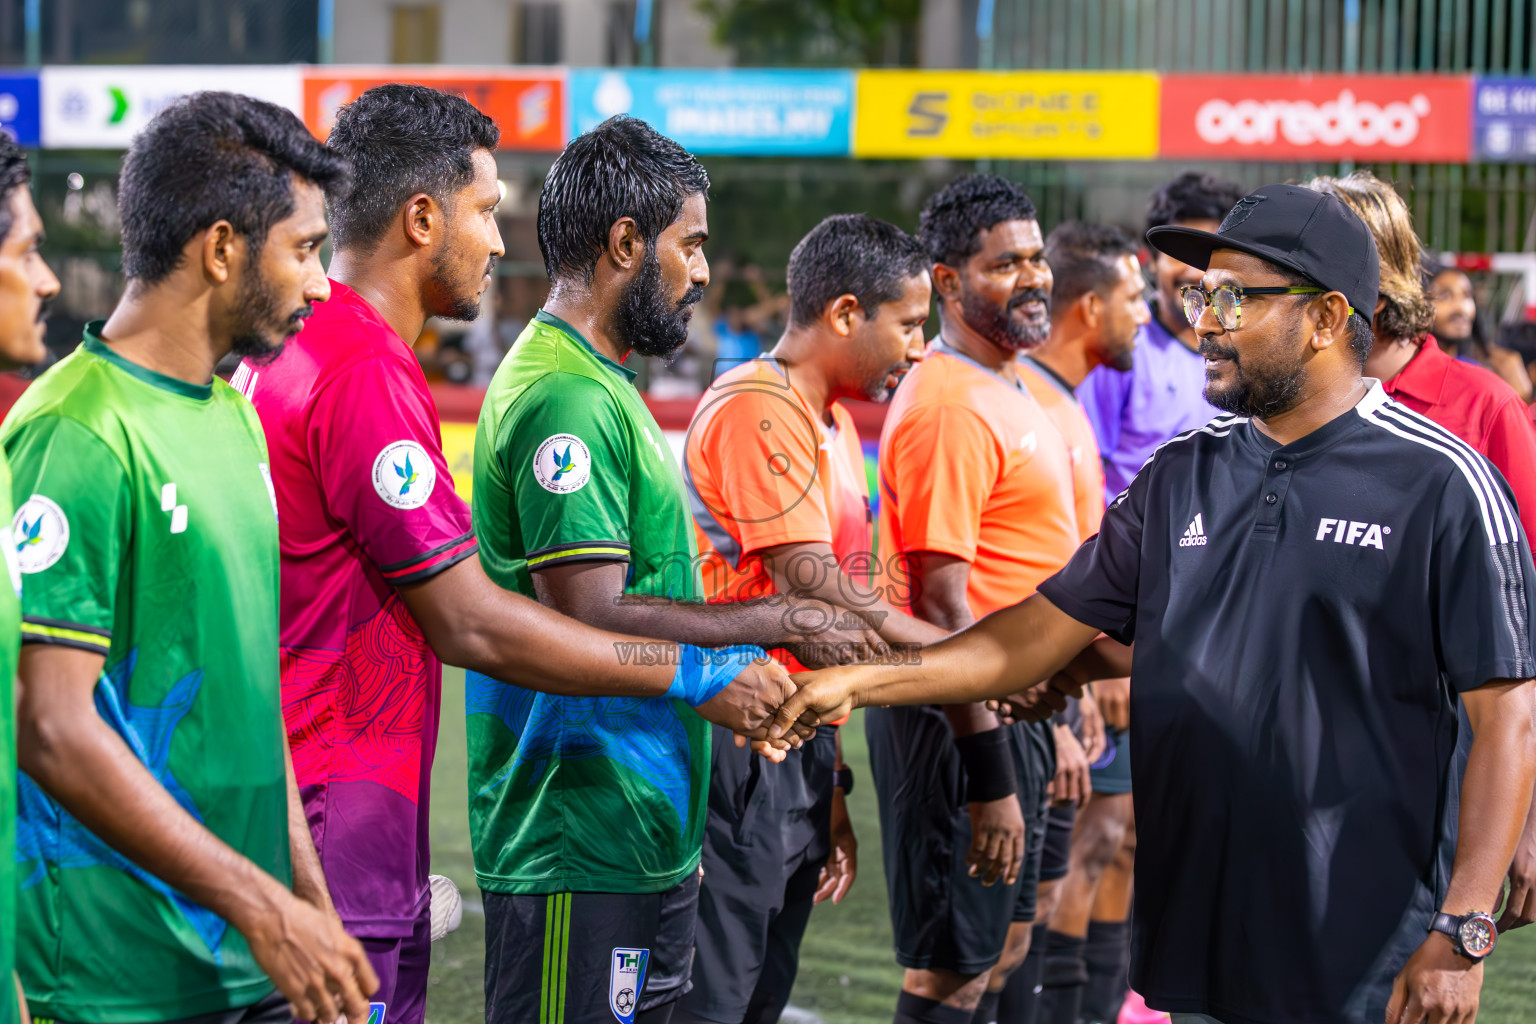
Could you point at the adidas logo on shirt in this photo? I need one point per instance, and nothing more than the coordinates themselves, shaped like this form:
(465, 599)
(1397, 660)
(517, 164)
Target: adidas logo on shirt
(1194, 537)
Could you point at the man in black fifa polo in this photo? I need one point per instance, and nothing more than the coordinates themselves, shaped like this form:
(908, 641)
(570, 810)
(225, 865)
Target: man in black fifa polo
(1313, 583)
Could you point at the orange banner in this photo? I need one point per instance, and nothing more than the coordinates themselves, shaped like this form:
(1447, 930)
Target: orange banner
(529, 108)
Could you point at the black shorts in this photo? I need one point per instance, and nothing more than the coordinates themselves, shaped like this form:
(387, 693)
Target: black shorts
(765, 843)
(1040, 754)
(1111, 774)
(1059, 822)
(942, 918)
(587, 957)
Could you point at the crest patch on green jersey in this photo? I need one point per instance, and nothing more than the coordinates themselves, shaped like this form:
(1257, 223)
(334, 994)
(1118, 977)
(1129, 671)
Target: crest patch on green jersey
(562, 464)
(39, 533)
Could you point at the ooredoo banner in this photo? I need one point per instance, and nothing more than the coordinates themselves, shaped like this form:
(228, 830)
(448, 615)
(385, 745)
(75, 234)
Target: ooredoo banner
(1424, 118)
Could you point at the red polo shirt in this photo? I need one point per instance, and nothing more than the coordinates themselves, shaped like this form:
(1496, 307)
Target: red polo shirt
(1482, 410)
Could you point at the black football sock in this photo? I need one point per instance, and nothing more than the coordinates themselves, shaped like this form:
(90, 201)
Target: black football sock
(914, 1009)
(986, 1010)
(1106, 954)
(1062, 991)
(1021, 996)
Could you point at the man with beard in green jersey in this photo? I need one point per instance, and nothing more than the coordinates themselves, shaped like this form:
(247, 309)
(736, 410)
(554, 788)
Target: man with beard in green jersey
(586, 813)
(26, 286)
(166, 870)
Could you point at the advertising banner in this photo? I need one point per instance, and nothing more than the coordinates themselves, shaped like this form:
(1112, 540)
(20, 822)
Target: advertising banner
(529, 108)
(1024, 115)
(20, 113)
(746, 112)
(1504, 119)
(104, 107)
(1317, 117)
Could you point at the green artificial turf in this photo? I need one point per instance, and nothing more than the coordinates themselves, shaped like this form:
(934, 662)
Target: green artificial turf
(847, 973)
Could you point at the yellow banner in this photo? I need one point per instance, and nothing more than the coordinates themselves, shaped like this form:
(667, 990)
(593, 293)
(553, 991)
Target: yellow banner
(459, 450)
(1089, 115)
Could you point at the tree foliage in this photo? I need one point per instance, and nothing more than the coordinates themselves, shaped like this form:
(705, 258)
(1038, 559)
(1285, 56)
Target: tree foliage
(817, 33)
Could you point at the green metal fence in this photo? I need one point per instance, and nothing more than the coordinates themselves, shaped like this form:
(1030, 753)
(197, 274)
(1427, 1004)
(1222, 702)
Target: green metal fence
(1462, 208)
(1495, 36)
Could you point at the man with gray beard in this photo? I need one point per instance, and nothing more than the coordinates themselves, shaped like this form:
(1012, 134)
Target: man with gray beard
(976, 495)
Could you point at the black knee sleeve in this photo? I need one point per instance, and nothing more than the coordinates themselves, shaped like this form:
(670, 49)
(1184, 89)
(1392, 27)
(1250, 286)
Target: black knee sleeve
(915, 1009)
(1062, 991)
(1106, 954)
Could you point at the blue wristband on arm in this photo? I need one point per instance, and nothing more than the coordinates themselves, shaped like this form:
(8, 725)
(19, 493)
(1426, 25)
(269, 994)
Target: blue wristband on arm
(702, 672)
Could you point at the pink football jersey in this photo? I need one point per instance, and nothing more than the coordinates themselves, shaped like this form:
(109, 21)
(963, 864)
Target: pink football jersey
(365, 503)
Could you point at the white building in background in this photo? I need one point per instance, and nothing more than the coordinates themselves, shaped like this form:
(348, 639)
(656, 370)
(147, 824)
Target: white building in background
(490, 32)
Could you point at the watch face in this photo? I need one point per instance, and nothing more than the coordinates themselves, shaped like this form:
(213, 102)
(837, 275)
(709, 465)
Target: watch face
(1478, 935)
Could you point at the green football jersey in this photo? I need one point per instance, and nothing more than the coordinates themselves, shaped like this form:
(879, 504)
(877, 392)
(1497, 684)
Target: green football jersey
(580, 794)
(147, 532)
(10, 647)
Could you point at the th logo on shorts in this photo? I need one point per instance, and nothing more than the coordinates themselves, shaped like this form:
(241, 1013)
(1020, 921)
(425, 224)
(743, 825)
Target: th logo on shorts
(376, 1013)
(626, 979)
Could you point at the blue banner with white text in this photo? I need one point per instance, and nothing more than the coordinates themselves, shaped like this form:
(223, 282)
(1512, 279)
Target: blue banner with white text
(744, 112)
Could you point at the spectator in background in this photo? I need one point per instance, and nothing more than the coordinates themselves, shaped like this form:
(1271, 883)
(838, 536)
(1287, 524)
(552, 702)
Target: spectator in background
(1459, 330)
(1519, 337)
(750, 312)
(1456, 326)
(1162, 394)
(735, 342)
(1468, 400)
(482, 348)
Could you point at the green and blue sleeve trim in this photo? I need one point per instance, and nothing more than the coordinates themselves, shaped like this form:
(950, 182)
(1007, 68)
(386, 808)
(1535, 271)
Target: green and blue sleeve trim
(37, 630)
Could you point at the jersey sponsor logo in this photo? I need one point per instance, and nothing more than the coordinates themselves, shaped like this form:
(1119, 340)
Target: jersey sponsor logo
(178, 512)
(661, 456)
(562, 464)
(404, 475)
(1194, 534)
(626, 980)
(376, 1013)
(39, 533)
(244, 381)
(12, 565)
(1029, 442)
(1348, 531)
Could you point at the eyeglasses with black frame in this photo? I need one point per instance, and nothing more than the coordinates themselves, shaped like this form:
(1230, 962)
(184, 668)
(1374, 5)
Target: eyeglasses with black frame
(1227, 300)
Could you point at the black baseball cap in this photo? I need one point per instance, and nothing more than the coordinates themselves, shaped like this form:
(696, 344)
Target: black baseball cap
(1299, 229)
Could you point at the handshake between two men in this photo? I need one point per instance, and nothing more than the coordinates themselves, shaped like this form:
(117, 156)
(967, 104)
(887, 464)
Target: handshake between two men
(1027, 659)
